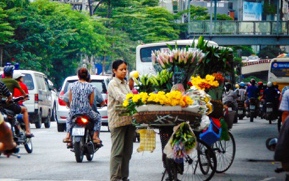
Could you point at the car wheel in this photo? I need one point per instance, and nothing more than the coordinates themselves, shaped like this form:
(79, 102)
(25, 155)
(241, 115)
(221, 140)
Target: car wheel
(38, 121)
(47, 121)
(54, 114)
(61, 127)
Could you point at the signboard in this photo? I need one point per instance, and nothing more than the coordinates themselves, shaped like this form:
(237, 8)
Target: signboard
(280, 69)
(252, 11)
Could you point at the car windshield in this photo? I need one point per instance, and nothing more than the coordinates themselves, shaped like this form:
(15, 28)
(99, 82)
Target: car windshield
(252, 57)
(99, 84)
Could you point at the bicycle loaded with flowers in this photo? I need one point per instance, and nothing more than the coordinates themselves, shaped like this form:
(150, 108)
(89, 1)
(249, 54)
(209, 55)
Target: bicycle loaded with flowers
(186, 82)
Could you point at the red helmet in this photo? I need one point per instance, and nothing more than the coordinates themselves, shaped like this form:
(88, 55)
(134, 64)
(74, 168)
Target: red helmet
(260, 83)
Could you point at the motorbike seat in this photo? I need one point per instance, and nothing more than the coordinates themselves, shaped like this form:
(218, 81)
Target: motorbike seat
(9, 112)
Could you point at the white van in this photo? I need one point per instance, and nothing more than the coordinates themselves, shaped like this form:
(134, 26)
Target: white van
(39, 103)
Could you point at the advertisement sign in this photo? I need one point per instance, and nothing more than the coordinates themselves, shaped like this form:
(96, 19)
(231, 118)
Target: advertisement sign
(252, 11)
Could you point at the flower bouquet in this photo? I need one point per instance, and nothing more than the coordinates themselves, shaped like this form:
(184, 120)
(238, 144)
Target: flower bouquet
(181, 143)
(182, 62)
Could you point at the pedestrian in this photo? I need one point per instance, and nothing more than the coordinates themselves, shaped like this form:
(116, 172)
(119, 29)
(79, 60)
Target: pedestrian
(121, 128)
(284, 105)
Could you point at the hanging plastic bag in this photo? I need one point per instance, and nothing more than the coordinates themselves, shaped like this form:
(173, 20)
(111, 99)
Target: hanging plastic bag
(181, 143)
(147, 140)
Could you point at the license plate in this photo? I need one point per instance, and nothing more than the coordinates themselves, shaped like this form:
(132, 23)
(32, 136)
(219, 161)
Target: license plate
(269, 109)
(78, 131)
(240, 111)
(252, 106)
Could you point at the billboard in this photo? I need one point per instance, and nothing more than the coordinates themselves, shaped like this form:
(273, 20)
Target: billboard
(252, 11)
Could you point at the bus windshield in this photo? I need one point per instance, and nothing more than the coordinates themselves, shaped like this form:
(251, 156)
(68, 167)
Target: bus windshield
(279, 72)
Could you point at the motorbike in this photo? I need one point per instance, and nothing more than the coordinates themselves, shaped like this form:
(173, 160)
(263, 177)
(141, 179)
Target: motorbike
(270, 114)
(241, 112)
(253, 108)
(231, 108)
(17, 125)
(82, 138)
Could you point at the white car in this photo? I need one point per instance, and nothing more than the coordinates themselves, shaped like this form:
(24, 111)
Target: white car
(54, 100)
(244, 59)
(98, 81)
(253, 58)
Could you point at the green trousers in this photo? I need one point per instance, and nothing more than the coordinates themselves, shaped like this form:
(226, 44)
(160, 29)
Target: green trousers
(121, 151)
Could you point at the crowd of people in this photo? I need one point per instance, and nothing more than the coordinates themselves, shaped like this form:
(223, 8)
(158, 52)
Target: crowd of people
(260, 92)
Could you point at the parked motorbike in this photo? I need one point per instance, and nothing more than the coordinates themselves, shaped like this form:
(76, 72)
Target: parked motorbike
(241, 112)
(269, 113)
(253, 109)
(82, 138)
(17, 125)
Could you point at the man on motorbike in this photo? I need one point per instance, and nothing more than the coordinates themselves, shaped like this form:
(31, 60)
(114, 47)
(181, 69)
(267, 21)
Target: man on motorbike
(6, 138)
(11, 85)
(229, 96)
(252, 91)
(270, 95)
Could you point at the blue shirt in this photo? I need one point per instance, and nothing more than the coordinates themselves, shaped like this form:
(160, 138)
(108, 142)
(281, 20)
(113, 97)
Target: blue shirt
(252, 91)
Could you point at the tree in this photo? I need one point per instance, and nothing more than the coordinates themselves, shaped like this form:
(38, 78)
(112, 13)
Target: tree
(52, 37)
(270, 52)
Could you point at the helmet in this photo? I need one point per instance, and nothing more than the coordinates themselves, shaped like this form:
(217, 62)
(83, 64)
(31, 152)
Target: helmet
(237, 86)
(242, 84)
(8, 70)
(228, 85)
(252, 81)
(269, 84)
(260, 83)
(17, 74)
(271, 143)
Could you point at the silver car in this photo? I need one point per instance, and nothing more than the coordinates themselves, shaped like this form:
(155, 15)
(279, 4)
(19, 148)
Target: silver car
(98, 81)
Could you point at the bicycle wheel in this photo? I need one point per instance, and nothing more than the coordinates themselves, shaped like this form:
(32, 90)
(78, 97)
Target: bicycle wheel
(200, 165)
(225, 153)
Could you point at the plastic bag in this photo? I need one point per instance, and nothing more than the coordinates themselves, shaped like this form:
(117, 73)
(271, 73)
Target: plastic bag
(147, 140)
(182, 142)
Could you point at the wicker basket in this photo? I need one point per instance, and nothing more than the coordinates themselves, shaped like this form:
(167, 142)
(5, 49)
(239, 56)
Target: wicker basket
(218, 109)
(166, 118)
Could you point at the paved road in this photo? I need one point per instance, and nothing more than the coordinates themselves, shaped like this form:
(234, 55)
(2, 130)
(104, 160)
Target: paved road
(51, 160)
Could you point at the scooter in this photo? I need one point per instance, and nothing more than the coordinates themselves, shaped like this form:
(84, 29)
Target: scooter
(231, 108)
(241, 112)
(82, 138)
(17, 125)
(253, 109)
(270, 114)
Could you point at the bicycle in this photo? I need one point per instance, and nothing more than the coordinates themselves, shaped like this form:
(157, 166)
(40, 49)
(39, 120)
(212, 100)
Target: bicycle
(199, 165)
(225, 151)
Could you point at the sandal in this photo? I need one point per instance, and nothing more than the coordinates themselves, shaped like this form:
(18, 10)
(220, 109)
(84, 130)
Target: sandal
(29, 135)
(66, 140)
(97, 142)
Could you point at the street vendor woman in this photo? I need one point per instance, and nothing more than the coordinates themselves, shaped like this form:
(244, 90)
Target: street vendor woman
(121, 128)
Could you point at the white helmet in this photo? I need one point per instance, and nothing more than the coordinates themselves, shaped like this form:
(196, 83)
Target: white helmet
(17, 74)
(269, 84)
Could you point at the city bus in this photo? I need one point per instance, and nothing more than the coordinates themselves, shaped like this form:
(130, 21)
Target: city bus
(278, 72)
(144, 51)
